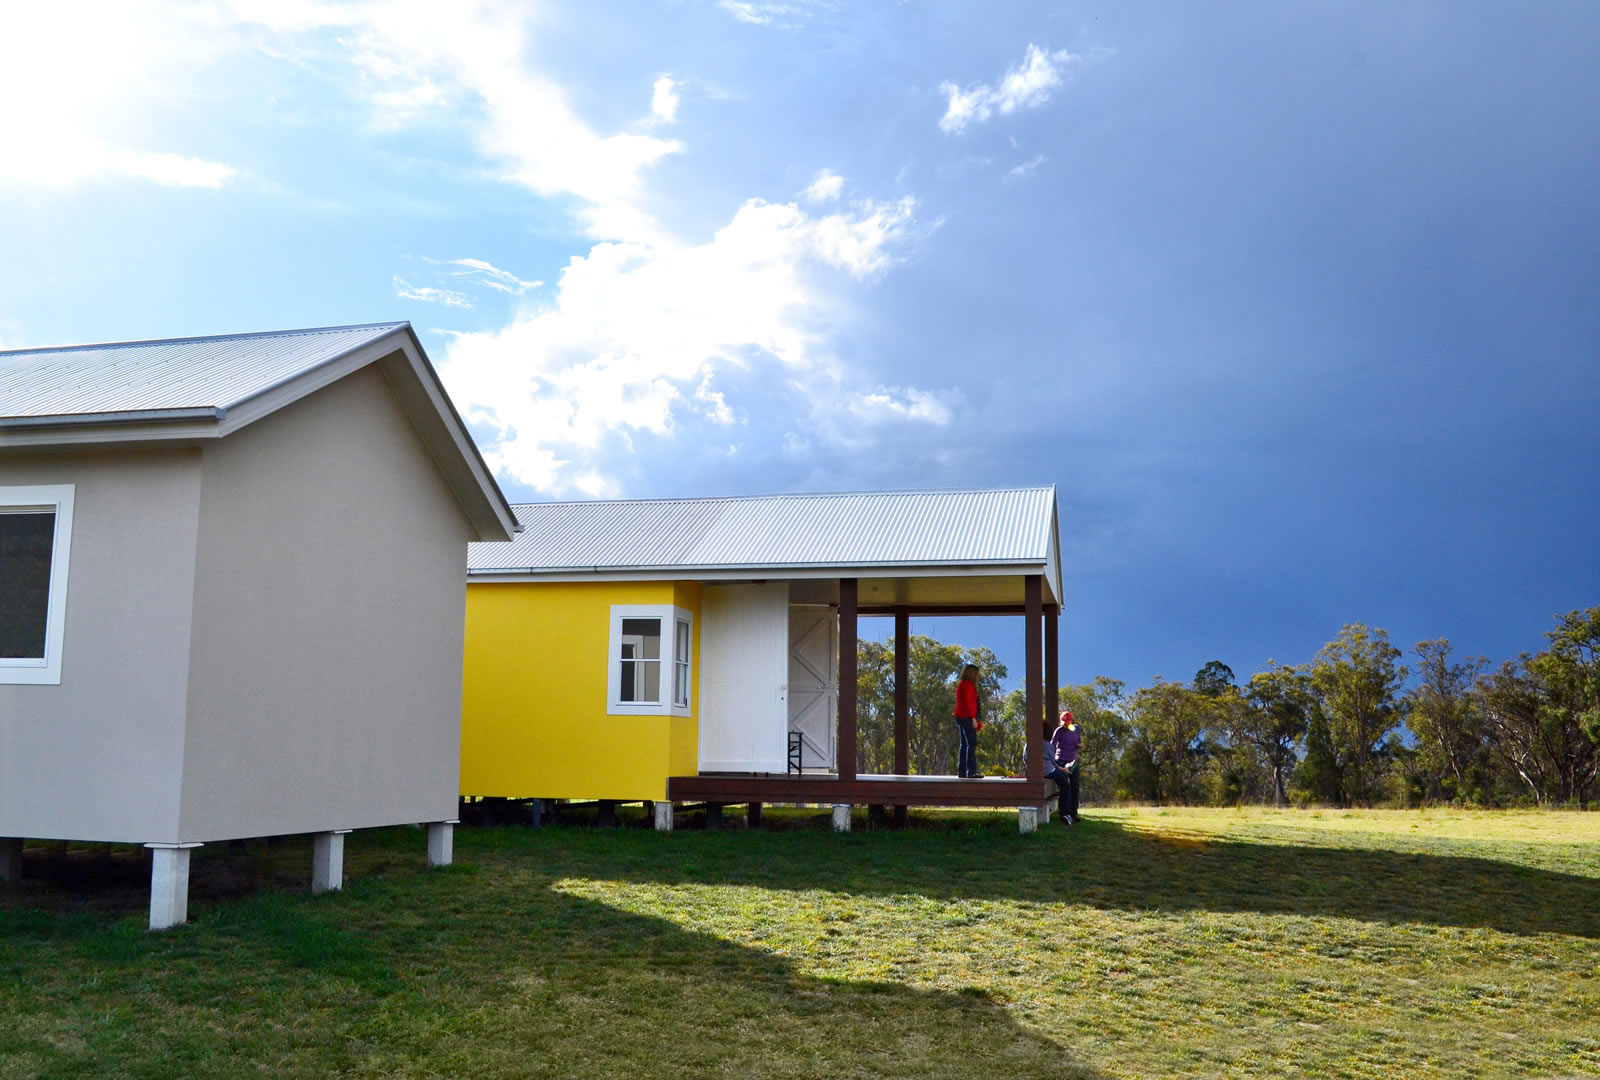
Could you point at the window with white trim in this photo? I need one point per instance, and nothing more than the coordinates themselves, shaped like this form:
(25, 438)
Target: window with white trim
(649, 667)
(35, 542)
(681, 643)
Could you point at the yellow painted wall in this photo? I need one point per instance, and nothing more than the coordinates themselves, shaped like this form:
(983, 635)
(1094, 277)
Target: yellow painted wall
(533, 703)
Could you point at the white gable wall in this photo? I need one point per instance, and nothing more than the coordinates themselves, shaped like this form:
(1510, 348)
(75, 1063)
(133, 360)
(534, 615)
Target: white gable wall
(99, 757)
(325, 685)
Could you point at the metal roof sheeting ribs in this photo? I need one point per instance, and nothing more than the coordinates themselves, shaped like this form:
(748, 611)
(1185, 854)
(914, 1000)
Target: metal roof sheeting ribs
(1011, 526)
(211, 373)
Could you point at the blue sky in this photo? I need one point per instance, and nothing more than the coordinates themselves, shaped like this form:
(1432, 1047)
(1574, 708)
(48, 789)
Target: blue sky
(1295, 304)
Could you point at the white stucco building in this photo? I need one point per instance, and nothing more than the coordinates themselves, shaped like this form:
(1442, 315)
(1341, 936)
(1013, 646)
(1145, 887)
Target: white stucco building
(232, 589)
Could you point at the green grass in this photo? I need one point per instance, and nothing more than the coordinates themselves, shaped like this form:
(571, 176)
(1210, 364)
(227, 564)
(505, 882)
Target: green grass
(1142, 943)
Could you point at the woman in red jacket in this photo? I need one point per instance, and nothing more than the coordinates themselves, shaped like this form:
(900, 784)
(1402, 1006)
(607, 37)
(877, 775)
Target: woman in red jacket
(967, 716)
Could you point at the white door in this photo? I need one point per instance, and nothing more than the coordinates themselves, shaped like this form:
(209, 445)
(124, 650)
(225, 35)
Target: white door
(814, 681)
(743, 634)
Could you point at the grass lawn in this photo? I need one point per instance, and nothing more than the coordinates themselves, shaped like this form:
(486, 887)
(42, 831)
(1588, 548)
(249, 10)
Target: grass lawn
(1141, 943)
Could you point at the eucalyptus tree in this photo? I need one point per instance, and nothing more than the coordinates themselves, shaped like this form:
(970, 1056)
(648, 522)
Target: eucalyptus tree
(1543, 711)
(1214, 679)
(1570, 669)
(931, 735)
(1357, 679)
(1171, 719)
(1278, 704)
(875, 706)
(1512, 698)
(1448, 720)
(1100, 709)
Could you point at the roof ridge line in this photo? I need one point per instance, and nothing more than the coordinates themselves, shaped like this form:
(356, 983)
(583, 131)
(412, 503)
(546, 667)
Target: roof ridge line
(204, 337)
(787, 495)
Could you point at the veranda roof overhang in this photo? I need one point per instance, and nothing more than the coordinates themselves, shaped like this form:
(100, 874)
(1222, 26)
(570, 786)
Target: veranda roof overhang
(932, 551)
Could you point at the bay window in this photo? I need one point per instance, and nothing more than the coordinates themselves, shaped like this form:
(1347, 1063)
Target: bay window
(648, 671)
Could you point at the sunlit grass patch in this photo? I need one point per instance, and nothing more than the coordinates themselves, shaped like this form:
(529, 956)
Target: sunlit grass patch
(1141, 943)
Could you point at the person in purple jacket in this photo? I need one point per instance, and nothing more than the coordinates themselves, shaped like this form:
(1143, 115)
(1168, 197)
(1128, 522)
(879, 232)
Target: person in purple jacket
(1061, 765)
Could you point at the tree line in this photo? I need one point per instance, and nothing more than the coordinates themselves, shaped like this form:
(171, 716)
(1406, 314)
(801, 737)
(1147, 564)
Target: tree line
(1354, 726)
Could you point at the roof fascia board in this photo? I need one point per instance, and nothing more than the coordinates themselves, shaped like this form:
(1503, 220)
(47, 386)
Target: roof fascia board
(787, 495)
(748, 573)
(1052, 573)
(109, 419)
(89, 436)
(423, 396)
(139, 342)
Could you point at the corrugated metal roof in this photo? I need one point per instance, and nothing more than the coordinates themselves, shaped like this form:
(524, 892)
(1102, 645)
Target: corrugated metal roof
(180, 374)
(1011, 525)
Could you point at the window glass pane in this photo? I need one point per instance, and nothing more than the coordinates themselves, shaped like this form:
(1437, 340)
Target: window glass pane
(680, 665)
(641, 681)
(25, 544)
(641, 661)
(645, 637)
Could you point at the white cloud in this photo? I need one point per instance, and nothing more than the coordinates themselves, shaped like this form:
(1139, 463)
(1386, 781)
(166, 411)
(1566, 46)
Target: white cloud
(647, 333)
(782, 16)
(411, 56)
(60, 160)
(664, 100)
(713, 403)
(1025, 86)
(82, 92)
(826, 186)
(902, 403)
(637, 338)
(428, 294)
(746, 13)
(173, 169)
(483, 273)
(753, 13)
(861, 245)
(1028, 166)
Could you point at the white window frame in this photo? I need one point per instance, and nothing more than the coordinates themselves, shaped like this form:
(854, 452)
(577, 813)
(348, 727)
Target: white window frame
(56, 499)
(670, 615)
(685, 661)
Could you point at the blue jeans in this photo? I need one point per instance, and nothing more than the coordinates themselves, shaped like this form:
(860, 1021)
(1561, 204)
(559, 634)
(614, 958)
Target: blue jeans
(967, 756)
(1066, 787)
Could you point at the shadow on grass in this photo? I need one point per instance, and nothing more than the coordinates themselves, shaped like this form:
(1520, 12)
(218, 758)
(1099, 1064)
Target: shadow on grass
(590, 990)
(472, 971)
(1107, 865)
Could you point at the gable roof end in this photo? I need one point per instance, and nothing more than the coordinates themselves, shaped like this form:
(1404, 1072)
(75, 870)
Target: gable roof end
(198, 389)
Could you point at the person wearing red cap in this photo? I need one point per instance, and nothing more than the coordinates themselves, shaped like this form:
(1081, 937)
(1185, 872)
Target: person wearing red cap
(1062, 765)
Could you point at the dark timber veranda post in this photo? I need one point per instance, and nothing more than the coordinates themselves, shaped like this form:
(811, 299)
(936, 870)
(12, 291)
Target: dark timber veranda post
(847, 678)
(1032, 698)
(1052, 665)
(902, 691)
(902, 701)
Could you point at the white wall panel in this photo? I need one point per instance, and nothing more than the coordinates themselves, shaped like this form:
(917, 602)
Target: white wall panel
(744, 666)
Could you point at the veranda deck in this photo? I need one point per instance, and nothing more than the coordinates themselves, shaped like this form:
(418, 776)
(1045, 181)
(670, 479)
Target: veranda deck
(869, 789)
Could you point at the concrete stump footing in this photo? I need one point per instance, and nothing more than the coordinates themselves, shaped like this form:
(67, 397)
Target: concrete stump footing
(441, 842)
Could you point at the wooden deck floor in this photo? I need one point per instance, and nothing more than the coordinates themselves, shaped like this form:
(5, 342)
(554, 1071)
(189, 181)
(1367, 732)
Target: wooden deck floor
(864, 790)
